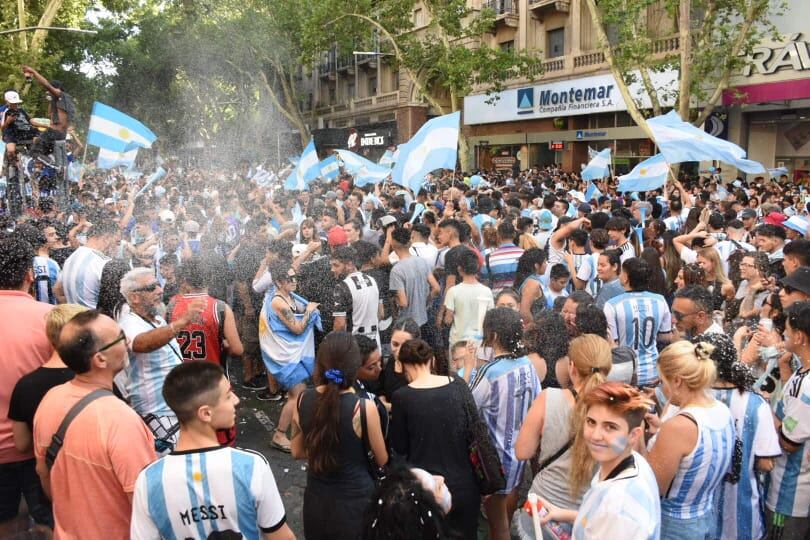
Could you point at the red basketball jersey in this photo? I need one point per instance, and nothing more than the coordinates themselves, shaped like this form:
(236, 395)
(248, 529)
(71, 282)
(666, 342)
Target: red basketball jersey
(201, 338)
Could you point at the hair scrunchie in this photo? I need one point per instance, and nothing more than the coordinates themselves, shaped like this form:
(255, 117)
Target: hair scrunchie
(334, 375)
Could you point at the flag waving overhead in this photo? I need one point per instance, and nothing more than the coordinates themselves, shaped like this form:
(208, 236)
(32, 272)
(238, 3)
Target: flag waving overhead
(330, 168)
(649, 174)
(598, 166)
(306, 170)
(592, 192)
(111, 129)
(680, 141)
(435, 146)
(778, 171)
(363, 170)
(388, 158)
(107, 159)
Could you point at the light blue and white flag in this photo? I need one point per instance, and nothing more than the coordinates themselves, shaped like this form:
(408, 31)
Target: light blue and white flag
(597, 168)
(680, 141)
(157, 175)
(779, 171)
(364, 171)
(107, 159)
(306, 170)
(591, 153)
(592, 192)
(435, 146)
(263, 178)
(111, 129)
(649, 174)
(387, 159)
(330, 168)
(74, 171)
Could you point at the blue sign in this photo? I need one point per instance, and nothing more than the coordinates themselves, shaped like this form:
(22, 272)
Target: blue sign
(525, 100)
(580, 135)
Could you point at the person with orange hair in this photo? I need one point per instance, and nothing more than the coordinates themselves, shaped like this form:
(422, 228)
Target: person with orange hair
(623, 500)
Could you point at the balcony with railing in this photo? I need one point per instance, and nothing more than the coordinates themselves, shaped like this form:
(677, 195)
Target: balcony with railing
(365, 104)
(506, 11)
(538, 7)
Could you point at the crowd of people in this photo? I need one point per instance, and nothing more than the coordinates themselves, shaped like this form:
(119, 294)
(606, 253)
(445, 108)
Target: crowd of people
(635, 362)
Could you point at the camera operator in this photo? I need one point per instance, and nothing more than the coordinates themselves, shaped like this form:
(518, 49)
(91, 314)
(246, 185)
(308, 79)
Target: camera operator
(16, 124)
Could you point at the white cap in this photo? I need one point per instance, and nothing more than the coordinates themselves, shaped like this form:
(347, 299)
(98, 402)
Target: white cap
(797, 223)
(109, 200)
(12, 97)
(167, 216)
(578, 195)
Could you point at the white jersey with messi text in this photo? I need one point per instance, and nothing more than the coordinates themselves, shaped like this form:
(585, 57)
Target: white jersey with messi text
(147, 371)
(740, 510)
(789, 487)
(701, 473)
(634, 320)
(219, 492)
(625, 505)
(81, 276)
(587, 273)
(46, 274)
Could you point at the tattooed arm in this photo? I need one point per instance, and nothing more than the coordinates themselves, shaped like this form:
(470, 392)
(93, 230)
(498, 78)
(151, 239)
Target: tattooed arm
(295, 326)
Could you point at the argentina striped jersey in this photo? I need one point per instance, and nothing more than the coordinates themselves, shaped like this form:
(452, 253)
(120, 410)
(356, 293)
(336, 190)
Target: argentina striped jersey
(634, 320)
(81, 276)
(504, 389)
(701, 473)
(147, 371)
(789, 487)
(740, 504)
(46, 273)
(219, 492)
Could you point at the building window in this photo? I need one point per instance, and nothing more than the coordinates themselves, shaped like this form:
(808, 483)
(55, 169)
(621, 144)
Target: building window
(624, 119)
(556, 43)
(395, 81)
(331, 95)
(351, 90)
(508, 45)
(372, 86)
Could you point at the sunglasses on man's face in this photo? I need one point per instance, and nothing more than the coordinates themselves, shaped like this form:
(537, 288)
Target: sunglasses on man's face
(121, 337)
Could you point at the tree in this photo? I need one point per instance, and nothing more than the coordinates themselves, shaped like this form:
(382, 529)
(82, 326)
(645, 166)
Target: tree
(714, 38)
(447, 59)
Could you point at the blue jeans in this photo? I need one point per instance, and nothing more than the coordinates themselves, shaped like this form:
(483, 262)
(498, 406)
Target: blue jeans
(682, 529)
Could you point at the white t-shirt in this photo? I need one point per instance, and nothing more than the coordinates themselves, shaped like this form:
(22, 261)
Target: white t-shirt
(469, 303)
(199, 493)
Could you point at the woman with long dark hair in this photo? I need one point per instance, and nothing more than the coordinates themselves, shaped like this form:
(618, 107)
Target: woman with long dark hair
(392, 377)
(504, 389)
(531, 266)
(327, 432)
(110, 300)
(657, 280)
(428, 428)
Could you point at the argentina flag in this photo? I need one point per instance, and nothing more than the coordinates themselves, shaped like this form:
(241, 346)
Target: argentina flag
(387, 159)
(113, 130)
(330, 168)
(680, 141)
(364, 171)
(435, 146)
(107, 159)
(592, 192)
(649, 174)
(597, 168)
(306, 170)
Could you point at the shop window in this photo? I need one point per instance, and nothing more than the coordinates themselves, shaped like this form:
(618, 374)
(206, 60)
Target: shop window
(607, 120)
(623, 119)
(556, 43)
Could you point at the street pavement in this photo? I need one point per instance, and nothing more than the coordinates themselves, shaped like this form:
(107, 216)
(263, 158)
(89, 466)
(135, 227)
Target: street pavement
(256, 421)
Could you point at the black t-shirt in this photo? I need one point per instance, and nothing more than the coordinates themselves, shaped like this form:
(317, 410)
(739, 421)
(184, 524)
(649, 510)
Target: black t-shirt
(382, 276)
(317, 284)
(246, 264)
(30, 390)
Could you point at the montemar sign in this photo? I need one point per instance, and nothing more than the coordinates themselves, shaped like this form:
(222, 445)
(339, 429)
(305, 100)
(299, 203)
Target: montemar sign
(571, 97)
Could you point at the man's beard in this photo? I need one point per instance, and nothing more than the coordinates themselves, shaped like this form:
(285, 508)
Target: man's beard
(156, 310)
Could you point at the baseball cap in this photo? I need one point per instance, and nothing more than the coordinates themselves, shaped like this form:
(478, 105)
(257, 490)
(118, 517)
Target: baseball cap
(331, 195)
(12, 97)
(585, 208)
(775, 218)
(109, 200)
(799, 279)
(797, 223)
(191, 227)
(545, 220)
(578, 195)
(385, 221)
(748, 213)
(337, 237)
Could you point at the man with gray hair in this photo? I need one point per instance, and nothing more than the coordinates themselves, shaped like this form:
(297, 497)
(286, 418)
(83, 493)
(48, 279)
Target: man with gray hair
(153, 351)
